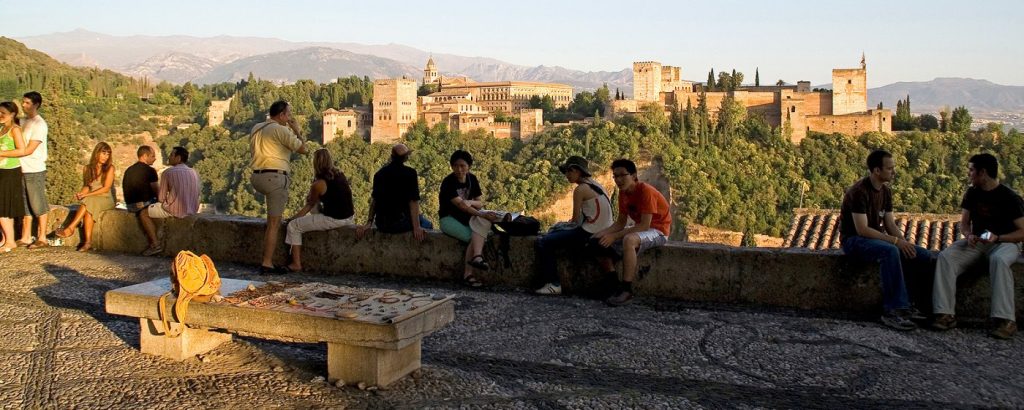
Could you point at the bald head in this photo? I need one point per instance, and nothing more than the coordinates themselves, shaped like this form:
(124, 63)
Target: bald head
(400, 153)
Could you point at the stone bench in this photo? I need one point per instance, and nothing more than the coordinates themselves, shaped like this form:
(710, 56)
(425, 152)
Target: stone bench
(784, 277)
(359, 349)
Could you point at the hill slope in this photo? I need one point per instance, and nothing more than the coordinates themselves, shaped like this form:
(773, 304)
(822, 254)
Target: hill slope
(319, 64)
(977, 95)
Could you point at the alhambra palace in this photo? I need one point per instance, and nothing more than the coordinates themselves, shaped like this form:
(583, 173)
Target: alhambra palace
(465, 105)
(844, 110)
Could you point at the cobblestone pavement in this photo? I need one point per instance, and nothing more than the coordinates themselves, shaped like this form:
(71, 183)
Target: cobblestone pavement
(506, 349)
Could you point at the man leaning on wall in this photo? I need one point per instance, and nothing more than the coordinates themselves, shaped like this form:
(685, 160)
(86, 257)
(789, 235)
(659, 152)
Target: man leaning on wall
(272, 143)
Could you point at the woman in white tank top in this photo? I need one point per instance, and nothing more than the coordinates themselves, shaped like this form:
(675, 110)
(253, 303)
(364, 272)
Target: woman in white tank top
(591, 212)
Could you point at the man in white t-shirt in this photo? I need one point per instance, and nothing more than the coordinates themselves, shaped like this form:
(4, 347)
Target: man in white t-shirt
(33, 166)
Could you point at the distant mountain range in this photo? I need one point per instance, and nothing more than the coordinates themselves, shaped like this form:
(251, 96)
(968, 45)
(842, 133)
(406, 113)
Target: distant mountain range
(206, 60)
(929, 96)
(320, 64)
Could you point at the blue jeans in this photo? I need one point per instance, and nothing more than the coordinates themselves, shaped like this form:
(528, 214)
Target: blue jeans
(547, 245)
(402, 225)
(890, 259)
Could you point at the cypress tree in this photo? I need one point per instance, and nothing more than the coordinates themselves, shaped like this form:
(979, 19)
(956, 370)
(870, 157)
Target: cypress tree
(64, 172)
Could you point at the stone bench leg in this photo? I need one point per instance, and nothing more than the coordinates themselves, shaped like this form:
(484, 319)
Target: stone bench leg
(190, 343)
(375, 367)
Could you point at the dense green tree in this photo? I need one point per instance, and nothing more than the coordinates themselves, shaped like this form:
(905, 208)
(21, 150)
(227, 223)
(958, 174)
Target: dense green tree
(927, 122)
(731, 115)
(545, 103)
(960, 120)
(757, 77)
(64, 145)
(903, 120)
(426, 89)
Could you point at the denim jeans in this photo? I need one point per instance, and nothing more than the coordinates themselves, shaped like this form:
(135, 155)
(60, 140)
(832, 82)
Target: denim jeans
(891, 260)
(546, 246)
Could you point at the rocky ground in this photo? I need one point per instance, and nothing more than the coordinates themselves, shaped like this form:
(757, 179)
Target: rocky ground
(506, 349)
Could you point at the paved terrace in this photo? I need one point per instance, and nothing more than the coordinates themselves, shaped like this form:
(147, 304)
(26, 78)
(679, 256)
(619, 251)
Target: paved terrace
(506, 349)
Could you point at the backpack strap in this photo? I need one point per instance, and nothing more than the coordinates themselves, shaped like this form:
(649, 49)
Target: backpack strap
(165, 318)
(503, 248)
(596, 187)
(600, 191)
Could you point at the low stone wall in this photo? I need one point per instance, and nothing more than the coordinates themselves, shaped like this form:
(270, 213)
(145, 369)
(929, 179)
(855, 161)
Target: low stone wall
(784, 277)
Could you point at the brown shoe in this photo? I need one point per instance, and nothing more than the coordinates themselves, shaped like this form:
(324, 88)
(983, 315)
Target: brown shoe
(1005, 329)
(38, 244)
(944, 322)
(84, 247)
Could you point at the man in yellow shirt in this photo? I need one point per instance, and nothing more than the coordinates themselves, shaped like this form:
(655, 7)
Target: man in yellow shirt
(272, 143)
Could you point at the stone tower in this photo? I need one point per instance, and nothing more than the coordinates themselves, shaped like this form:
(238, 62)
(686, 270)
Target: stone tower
(850, 89)
(394, 108)
(646, 81)
(430, 73)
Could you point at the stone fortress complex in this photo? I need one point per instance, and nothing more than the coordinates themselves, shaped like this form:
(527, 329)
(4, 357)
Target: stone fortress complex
(465, 105)
(843, 110)
(459, 102)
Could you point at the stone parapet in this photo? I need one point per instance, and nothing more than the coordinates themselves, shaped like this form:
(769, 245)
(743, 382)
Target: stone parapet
(782, 277)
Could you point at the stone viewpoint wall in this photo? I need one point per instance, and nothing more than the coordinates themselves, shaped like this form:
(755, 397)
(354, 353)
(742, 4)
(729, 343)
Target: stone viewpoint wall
(784, 277)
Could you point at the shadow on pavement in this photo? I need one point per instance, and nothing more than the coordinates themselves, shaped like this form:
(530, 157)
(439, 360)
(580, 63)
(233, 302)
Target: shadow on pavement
(77, 291)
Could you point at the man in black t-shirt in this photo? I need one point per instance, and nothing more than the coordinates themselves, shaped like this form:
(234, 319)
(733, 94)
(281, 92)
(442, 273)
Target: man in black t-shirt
(140, 181)
(869, 232)
(394, 200)
(992, 222)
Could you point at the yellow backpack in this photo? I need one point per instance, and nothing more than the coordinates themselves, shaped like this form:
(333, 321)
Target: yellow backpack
(192, 277)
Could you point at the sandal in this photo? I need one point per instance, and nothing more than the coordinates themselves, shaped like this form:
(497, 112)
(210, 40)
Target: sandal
(472, 281)
(479, 263)
(275, 270)
(84, 247)
(60, 233)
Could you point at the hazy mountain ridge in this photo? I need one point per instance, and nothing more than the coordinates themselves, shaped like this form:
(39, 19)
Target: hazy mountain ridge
(578, 79)
(320, 64)
(977, 95)
(174, 67)
(138, 55)
(118, 52)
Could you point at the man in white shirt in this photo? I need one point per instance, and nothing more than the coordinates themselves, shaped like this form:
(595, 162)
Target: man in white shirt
(33, 166)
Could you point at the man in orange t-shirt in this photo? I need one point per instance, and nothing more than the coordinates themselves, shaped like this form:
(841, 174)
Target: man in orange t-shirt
(652, 223)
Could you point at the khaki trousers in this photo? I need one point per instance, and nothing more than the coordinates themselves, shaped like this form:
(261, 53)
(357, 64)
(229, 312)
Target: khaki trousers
(955, 259)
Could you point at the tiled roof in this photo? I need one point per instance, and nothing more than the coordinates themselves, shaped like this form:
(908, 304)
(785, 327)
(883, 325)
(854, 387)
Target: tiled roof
(446, 92)
(818, 229)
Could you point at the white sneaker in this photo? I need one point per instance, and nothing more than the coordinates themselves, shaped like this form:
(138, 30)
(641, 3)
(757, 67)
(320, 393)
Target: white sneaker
(549, 289)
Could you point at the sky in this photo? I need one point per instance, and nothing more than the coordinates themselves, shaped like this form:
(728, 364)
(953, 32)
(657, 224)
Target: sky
(789, 40)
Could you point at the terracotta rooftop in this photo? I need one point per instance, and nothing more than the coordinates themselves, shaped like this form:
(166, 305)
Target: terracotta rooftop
(818, 229)
(446, 92)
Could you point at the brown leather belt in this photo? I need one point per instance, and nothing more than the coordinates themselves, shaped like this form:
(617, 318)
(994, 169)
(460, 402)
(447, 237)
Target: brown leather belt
(263, 171)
